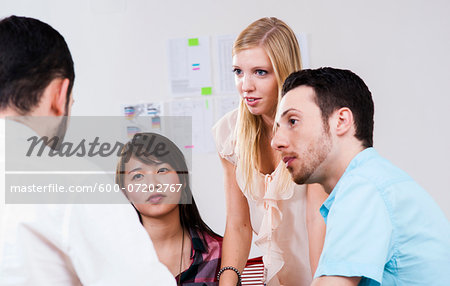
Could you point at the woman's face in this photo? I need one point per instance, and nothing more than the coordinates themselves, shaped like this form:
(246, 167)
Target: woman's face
(155, 189)
(255, 80)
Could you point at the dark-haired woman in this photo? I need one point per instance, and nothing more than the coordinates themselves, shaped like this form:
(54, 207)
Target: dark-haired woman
(157, 184)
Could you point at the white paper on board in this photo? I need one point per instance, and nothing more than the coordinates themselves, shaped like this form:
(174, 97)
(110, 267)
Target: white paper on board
(199, 64)
(225, 104)
(225, 77)
(189, 66)
(201, 111)
(152, 110)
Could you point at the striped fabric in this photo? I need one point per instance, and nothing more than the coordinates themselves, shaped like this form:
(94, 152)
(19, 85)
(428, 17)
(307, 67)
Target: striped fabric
(253, 273)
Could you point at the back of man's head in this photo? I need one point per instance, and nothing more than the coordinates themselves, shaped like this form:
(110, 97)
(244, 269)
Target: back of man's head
(32, 54)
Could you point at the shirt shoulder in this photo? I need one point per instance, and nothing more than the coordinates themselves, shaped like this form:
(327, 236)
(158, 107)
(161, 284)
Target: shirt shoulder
(358, 239)
(380, 172)
(224, 136)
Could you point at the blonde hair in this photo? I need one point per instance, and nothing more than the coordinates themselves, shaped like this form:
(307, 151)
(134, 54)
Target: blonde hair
(281, 46)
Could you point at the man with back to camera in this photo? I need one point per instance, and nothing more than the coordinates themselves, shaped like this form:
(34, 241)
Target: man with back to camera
(382, 227)
(61, 244)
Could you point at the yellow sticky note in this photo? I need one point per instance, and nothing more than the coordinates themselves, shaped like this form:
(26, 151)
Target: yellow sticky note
(193, 42)
(206, 90)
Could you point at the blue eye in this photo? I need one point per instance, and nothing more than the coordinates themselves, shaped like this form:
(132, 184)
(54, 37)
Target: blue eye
(163, 170)
(261, 72)
(292, 121)
(237, 71)
(137, 176)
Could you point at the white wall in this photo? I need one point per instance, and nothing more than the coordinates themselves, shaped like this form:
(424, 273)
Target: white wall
(400, 48)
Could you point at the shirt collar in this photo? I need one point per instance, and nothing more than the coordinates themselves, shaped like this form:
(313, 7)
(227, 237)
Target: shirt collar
(197, 241)
(359, 159)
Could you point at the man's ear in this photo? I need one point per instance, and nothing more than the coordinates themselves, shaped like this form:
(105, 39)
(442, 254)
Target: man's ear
(344, 117)
(59, 96)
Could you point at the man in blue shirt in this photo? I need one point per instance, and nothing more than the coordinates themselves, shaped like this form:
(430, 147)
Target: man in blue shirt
(382, 227)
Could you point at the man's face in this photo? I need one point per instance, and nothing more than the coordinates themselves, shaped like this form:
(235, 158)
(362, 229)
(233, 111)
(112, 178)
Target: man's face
(300, 136)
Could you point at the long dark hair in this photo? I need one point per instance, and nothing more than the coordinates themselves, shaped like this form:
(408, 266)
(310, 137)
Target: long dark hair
(152, 148)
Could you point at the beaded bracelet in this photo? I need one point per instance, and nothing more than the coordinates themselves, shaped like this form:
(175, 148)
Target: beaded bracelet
(230, 268)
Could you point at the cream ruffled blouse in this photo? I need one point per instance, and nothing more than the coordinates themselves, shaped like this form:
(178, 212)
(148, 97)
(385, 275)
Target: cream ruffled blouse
(278, 219)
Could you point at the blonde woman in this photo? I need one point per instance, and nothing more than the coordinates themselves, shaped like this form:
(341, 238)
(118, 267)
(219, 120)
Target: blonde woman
(260, 195)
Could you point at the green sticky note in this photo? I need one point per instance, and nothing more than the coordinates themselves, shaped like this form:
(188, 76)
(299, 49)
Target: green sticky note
(206, 90)
(193, 42)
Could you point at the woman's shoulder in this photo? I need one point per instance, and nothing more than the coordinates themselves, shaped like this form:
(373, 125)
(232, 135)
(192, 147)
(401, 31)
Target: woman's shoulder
(227, 124)
(224, 135)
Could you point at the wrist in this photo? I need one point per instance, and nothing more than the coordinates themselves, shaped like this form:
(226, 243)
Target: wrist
(229, 275)
(228, 278)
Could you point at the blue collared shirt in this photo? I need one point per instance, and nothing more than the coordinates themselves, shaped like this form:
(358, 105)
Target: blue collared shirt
(382, 226)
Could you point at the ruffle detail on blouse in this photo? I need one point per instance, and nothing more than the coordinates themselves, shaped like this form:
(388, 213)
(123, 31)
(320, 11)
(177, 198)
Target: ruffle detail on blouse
(273, 255)
(223, 132)
(264, 192)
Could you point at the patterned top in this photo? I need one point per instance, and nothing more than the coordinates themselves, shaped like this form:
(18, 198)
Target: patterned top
(205, 261)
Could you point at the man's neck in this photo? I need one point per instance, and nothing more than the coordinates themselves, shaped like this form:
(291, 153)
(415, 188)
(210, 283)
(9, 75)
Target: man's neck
(14, 115)
(338, 163)
(8, 112)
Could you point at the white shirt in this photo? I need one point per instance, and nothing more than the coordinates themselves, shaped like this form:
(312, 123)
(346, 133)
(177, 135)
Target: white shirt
(74, 244)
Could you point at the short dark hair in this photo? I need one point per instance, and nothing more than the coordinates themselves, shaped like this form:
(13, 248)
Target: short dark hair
(32, 54)
(334, 89)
